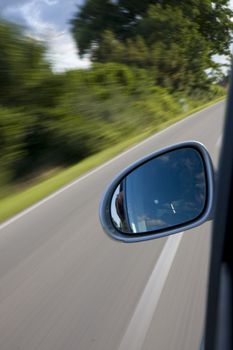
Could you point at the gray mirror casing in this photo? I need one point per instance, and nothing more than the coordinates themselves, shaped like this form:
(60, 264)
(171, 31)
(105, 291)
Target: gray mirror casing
(105, 205)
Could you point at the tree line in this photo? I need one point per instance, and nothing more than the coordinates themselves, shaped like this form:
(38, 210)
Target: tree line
(175, 39)
(151, 60)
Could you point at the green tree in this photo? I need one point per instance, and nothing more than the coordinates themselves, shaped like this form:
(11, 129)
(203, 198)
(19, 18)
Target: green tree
(176, 39)
(124, 18)
(22, 65)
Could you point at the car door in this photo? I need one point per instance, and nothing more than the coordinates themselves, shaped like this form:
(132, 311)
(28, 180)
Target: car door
(218, 332)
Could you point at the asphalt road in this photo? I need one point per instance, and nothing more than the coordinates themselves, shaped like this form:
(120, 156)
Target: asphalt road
(64, 285)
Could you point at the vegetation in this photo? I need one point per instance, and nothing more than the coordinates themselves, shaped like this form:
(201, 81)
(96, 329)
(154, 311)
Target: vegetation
(176, 40)
(21, 198)
(151, 62)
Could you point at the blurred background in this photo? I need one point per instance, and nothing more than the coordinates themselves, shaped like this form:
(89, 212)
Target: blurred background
(78, 77)
(80, 81)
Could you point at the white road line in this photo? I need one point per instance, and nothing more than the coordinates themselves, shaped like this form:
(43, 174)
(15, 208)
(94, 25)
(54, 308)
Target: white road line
(53, 195)
(219, 141)
(135, 334)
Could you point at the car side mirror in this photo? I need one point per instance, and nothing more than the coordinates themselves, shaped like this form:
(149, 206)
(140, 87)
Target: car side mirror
(167, 192)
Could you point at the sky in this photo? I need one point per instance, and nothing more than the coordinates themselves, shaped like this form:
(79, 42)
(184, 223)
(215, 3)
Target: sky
(48, 20)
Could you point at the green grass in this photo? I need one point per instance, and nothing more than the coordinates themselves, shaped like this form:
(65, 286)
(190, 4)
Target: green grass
(16, 202)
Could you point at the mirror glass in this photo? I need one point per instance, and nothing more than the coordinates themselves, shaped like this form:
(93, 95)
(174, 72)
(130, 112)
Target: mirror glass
(164, 192)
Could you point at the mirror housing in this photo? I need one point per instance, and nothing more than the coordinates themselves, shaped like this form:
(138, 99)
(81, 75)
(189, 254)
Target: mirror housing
(128, 233)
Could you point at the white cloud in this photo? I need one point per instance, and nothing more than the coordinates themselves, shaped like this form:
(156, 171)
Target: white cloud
(50, 2)
(32, 15)
(47, 20)
(63, 53)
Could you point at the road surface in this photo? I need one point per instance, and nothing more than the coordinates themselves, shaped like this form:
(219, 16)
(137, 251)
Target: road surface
(65, 285)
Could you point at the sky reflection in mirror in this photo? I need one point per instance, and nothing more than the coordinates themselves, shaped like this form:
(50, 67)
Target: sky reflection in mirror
(164, 192)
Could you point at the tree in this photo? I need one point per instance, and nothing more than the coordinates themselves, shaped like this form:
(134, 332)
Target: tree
(175, 39)
(22, 65)
(124, 18)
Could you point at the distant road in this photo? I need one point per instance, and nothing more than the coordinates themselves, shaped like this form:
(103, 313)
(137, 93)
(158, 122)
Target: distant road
(64, 285)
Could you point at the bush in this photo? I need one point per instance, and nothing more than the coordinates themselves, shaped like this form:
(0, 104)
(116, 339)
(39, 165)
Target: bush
(72, 115)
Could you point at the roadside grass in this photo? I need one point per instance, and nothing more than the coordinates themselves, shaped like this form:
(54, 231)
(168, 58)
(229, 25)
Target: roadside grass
(16, 202)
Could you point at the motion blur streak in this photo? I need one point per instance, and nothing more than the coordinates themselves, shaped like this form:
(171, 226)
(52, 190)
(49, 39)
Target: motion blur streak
(140, 322)
(65, 285)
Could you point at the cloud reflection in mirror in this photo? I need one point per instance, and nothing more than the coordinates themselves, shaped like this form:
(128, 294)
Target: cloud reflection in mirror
(164, 192)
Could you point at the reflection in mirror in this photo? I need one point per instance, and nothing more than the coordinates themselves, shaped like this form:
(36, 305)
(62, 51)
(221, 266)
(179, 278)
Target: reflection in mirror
(164, 192)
